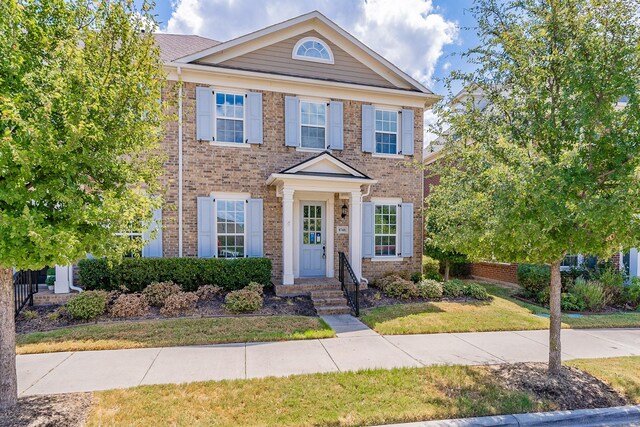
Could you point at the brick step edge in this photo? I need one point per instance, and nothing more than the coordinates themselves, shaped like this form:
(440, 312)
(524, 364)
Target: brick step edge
(320, 302)
(339, 309)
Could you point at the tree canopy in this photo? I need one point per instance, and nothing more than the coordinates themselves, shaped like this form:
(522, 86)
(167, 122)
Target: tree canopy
(80, 116)
(541, 156)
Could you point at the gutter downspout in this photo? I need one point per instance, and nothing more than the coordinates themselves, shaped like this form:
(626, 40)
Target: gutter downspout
(179, 164)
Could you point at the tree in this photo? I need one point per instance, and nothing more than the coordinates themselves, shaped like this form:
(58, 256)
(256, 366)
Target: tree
(541, 158)
(80, 122)
(446, 257)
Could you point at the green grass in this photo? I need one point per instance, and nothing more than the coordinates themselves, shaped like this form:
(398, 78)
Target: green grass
(174, 332)
(621, 373)
(345, 398)
(503, 313)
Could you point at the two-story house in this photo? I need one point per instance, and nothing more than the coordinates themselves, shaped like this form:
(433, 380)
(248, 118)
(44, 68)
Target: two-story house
(295, 143)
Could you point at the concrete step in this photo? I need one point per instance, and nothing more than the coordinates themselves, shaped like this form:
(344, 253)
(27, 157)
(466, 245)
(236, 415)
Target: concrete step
(306, 288)
(333, 309)
(321, 302)
(326, 293)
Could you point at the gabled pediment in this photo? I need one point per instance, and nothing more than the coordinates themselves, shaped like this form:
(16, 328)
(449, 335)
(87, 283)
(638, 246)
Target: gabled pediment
(248, 52)
(324, 164)
(323, 168)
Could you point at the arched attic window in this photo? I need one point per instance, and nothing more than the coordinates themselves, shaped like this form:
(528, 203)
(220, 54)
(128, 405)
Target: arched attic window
(312, 49)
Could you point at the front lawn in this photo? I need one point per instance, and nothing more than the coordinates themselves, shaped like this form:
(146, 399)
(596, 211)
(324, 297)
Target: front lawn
(174, 332)
(345, 398)
(503, 313)
(621, 373)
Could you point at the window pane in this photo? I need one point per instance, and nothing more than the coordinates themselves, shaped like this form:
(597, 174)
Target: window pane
(385, 230)
(230, 227)
(230, 118)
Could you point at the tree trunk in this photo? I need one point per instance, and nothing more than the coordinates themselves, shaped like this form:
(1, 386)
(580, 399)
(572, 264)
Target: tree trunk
(555, 358)
(8, 376)
(446, 271)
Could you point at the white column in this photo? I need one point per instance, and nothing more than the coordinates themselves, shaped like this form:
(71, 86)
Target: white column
(355, 233)
(634, 257)
(287, 236)
(63, 279)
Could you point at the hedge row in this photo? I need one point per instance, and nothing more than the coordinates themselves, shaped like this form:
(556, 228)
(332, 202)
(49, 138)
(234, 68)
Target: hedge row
(138, 273)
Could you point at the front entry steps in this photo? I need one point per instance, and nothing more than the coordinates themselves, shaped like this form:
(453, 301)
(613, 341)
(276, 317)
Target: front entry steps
(325, 292)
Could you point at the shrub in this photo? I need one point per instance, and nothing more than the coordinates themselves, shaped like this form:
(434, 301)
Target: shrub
(190, 273)
(453, 288)
(30, 314)
(613, 283)
(571, 302)
(130, 305)
(385, 280)
(179, 303)
(256, 287)
(433, 275)
(87, 305)
(208, 292)
(590, 293)
(400, 288)
(416, 277)
(404, 274)
(473, 290)
(50, 280)
(243, 301)
(632, 292)
(429, 289)
(430, 265)
(157, 293)
(534, 279)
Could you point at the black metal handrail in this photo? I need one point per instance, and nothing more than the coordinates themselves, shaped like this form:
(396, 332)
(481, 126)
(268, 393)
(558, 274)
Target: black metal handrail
(351, 288)
(25, 284)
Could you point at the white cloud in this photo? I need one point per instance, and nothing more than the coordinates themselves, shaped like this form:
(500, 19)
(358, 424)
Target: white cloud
(409, 33)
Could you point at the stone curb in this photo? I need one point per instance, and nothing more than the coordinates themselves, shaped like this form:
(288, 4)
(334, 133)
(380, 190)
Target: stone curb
(610, 417)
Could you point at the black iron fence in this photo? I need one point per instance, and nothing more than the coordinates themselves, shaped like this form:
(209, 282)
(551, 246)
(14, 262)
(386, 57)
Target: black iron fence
(25, 284)
(350, 283)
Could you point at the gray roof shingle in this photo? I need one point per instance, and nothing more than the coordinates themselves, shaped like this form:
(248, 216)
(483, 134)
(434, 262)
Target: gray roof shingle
(174, 46)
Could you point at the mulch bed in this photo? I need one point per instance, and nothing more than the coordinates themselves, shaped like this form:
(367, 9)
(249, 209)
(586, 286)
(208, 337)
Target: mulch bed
(571, 389)
(69, 410)
(273, 306)
(373, 297)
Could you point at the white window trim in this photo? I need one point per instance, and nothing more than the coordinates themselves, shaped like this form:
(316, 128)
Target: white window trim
(294, 54)
(387, 202)
(580, 261)
(214, 114)
(236, 197)
(326, 124)
(398, 132)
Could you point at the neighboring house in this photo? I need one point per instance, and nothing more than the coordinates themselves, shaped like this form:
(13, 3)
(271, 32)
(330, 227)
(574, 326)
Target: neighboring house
(293, 143)
(628, 261)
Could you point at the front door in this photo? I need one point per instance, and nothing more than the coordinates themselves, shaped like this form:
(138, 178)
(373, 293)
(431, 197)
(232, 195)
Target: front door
(313, 240)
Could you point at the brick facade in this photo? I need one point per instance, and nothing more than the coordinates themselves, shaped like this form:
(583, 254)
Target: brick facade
(213, 168)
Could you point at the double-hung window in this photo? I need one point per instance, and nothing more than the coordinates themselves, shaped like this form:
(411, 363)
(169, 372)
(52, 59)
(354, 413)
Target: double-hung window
(229, 117)
(313, 124)
(386, 132)
(230, 223)
(386, 230)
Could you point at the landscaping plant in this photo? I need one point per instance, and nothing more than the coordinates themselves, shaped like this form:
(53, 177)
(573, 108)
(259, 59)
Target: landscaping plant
(208, 292)
(179, 303)
(541, 159)
(87, 305)
(453, 288)
(129, 305)
(157, 293)
(431, 289)
(243, 301)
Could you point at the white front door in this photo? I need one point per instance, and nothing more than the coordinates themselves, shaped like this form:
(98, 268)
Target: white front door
(313, 239)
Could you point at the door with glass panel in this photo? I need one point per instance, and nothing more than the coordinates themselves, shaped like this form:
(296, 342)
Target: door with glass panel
(312, 240)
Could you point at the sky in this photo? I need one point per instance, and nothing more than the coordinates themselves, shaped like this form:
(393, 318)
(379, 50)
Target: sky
(422, 37)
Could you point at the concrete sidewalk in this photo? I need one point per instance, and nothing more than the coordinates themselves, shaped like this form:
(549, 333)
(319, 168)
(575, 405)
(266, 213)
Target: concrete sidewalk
(355, 348)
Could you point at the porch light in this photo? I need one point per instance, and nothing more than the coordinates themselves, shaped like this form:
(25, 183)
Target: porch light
(344, 210)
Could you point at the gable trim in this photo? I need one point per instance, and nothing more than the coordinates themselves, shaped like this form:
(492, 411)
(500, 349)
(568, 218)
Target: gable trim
(298, 168)
(363, 53)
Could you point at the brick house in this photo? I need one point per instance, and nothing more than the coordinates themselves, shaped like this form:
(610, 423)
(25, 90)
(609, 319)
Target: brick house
(294, 143)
